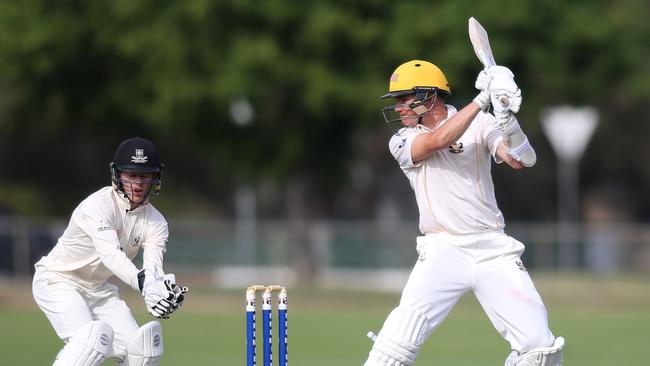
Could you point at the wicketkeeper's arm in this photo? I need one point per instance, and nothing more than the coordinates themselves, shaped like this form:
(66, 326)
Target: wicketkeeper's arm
(161, 293)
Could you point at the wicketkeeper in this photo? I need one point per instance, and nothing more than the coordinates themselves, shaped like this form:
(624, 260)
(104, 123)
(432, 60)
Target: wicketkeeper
(446, 155)
(105, 233)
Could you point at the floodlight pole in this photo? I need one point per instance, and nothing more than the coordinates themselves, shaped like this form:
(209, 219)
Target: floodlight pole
(242, 114)
(246, 223)
(569, 130)
(568, 213)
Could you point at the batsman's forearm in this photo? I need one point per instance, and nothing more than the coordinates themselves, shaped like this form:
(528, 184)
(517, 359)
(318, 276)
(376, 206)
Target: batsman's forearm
(428, 143)
(516, 140)
(456, 126)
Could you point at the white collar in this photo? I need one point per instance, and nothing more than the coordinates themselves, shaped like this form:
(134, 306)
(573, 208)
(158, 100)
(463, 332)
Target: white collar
(124, 202)
(451, 110)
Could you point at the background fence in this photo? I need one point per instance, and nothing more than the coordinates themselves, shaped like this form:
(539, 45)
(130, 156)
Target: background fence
(330, 253)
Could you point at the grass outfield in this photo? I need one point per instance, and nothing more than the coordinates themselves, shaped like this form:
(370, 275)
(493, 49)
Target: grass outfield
(603, 320)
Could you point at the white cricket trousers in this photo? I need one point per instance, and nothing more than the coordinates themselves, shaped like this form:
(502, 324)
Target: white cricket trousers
(489, 265)
(69, 306)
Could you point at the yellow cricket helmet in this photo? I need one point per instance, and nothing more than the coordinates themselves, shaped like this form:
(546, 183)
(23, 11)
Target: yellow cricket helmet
(414, 76)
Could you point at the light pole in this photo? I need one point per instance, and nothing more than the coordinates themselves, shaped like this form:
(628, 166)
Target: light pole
(569, 130)
(242, 114)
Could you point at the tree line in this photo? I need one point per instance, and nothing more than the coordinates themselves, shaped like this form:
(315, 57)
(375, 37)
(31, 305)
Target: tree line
(77, 77)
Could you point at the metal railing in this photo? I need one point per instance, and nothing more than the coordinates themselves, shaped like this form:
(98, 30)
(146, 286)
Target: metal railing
(313, 246)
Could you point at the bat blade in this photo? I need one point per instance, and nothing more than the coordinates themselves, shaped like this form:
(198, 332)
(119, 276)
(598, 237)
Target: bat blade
(481, 43)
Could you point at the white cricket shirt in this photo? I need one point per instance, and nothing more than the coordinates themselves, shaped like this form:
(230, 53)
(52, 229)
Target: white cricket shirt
(453, 187)
(102, 238)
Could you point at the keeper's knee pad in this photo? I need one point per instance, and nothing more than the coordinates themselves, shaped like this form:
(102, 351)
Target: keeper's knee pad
(146, 347)
(544, 356)
(400, 339)
(90, 346)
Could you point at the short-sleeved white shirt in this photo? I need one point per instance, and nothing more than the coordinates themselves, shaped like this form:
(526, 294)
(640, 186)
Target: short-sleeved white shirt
(102, 238)
(453, 187)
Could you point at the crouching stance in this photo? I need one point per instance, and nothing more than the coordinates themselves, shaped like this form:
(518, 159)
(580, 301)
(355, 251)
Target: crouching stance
(446, 155)
(106, 232)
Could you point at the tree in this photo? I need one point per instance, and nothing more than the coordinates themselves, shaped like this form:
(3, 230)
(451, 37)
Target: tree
(77, 77)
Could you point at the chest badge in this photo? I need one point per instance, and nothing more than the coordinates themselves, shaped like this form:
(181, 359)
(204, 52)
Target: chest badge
(456, 148)
(136, 240)
(521, 266)
(422, 257)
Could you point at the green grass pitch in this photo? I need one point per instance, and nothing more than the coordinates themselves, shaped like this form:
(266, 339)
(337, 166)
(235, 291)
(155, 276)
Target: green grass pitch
(604, 321)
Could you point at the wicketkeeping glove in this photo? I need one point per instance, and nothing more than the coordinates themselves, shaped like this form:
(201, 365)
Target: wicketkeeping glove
(177, 291)
(157, 296)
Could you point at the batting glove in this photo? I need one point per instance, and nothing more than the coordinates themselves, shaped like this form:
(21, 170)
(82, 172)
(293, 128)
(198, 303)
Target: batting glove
(483, 98)
(506, 120)
(482, 81)
(498, 71)
(483, 101)
(505, 95)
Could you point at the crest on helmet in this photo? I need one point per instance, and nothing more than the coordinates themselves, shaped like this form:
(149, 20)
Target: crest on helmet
(139, 157)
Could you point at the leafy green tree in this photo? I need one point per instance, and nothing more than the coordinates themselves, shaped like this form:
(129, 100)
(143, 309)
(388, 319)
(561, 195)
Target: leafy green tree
(76, 77)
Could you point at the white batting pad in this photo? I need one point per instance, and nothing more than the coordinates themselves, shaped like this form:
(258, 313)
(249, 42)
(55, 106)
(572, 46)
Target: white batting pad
(400, 339)
(90, 346)
(544, 356)
(146, 348)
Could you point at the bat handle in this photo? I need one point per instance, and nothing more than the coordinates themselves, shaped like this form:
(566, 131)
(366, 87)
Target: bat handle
(504, 101)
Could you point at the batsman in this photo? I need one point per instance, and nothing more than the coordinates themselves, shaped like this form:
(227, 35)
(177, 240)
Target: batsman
(446, 155)
(106, 232)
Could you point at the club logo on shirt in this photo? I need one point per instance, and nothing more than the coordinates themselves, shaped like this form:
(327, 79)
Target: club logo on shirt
(136, 240)
(521, 266)
(103, 226)
(139, 157)
(401, 144)
(456, 148)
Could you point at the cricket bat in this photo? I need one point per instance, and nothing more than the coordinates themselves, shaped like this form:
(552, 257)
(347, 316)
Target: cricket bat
(481, 43)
